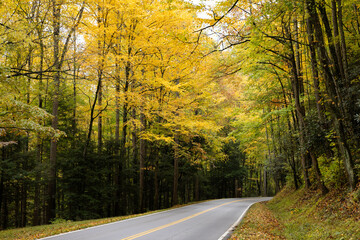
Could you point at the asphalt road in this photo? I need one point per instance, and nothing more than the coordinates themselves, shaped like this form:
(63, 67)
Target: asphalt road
(211, 220)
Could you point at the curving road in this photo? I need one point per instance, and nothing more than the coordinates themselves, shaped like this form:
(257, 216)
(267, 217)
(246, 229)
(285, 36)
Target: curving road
(211, 220)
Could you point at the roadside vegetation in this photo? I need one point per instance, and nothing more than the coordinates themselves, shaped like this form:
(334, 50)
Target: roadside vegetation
(304, 214)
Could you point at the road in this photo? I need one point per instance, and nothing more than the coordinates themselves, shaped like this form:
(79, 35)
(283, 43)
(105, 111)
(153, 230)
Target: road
(211, 220)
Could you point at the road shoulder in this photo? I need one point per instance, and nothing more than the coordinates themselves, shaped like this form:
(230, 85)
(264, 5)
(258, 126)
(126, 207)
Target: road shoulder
(258, 223)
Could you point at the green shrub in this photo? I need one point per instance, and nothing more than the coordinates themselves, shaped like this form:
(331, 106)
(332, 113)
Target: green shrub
(332, 171)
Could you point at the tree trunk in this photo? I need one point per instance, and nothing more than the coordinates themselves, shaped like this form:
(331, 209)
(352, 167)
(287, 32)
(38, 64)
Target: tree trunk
(101, 56)
(142, 163)
(74, 130)
(236, 184)
(347, 156)
(51, 201)
(318, 174)
(343, 43)
(357, 29)
(1, 195)
(24, 195)
(265, 187)
(134, 139)
(17, 205)
(117, 141)
(175, 199)
(100, 117)
(156, 185)
(37, 201)
(36, 214)
(314, 71)
(5, 210)
(92, 118)
(297, 88)
(123, 156)
(337, 40)
(197, 193)
(333, 92)
(265, 183)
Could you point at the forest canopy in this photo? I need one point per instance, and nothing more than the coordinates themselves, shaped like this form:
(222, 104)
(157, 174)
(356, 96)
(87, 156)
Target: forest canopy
(116, 107)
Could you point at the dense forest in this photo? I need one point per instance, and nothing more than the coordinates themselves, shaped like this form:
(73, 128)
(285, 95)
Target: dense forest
(114, 107)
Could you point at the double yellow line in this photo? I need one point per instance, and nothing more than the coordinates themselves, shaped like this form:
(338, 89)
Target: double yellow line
(175, 222)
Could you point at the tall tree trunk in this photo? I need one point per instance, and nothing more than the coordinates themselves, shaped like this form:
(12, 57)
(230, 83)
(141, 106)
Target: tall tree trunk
(100, 117)
(75, 70)
(316, 83)
(175, 198)
(295, 176)
(37, 201)
(236, 185)
(329, 35)
(1, 195)
(156, 183)
(123, 156)
(101, 56)
(3, 206)
(17, 204)
(318, 175)
(343, 43)
(58, 61)
(117, 142)
(290, 157)
(298, 91)
(5, 210)
(337, 40)
(142, 163)
(51, 201)
(265, 182)
(332, 90)
(134, 139)
(357, 29)
(24, 195)
(92, 118)
(314, 71)
(197, 190)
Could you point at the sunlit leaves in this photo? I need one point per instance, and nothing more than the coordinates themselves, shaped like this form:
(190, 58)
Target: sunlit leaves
(20, 118)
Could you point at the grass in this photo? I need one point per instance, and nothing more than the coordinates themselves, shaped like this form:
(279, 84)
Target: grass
(31, 233)
(310, 215)
(304, 214)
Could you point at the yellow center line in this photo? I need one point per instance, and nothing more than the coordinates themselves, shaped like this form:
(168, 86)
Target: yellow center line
(175, 222)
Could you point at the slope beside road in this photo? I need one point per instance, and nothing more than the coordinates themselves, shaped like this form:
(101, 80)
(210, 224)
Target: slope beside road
(209, 220)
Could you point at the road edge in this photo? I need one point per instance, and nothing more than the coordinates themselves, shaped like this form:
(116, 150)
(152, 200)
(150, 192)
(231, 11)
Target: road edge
(227, 234)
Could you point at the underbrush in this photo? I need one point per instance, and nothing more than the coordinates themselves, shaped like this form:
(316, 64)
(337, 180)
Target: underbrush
(307, 214)
(304, 214)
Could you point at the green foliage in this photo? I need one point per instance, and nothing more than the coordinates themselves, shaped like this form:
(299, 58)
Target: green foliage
(18, 117)
(60, 221)
(333, 171)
